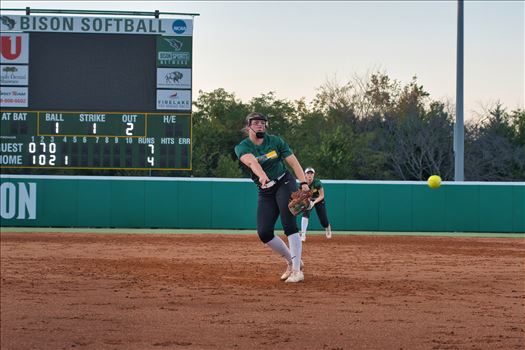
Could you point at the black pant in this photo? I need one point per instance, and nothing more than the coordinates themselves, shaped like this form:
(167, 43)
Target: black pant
(272, 202)
(320, 209)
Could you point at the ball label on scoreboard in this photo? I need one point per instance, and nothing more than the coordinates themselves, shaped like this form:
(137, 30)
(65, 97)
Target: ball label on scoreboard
(53, 117)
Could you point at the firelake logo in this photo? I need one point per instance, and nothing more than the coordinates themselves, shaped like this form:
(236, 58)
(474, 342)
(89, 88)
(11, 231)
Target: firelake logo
(167, 99)
(18, 200)
(179, 26)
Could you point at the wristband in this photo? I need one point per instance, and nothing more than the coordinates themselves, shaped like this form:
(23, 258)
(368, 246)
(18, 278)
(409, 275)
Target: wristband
(303, 183)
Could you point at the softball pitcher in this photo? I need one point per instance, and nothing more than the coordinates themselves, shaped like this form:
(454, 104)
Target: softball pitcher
(265, 156)
(318, 203)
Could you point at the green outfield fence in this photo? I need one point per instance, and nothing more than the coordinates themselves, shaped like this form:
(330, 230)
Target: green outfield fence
(209, 203)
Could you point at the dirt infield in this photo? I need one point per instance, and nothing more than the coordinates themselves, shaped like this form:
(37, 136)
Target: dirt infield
(98, 291)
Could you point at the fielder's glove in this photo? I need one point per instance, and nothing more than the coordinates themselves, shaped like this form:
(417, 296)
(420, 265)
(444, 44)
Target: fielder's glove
(299, 201)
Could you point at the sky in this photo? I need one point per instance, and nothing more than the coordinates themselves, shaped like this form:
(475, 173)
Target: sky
(293, 47)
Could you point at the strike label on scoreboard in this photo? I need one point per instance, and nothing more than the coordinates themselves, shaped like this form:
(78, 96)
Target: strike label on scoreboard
(95, 140)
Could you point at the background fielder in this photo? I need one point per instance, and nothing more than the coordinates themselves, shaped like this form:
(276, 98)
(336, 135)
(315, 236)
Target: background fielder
(318, 203)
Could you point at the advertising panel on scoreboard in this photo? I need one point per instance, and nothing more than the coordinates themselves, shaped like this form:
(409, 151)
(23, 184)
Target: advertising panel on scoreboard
(11, 74)
(14, 48)
(174, 99)
(174, 51)
(174, 78)
(11, 96)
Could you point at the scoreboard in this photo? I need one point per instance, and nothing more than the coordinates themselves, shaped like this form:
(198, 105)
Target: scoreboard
(87, 140)
(95, 93)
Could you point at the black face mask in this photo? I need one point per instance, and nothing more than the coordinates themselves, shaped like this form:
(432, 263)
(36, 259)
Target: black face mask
(259, 134)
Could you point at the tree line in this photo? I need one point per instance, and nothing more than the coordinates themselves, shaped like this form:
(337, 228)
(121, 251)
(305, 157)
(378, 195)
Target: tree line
(371, 128)
(368, 128)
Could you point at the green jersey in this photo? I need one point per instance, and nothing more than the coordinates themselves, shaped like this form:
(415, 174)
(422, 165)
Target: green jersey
(270, 155)
(315, 187)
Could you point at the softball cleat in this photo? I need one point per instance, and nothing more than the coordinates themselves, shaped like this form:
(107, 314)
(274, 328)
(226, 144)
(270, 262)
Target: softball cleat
(328, 232)
(296, 276)
(303, 236)
(289, 270)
